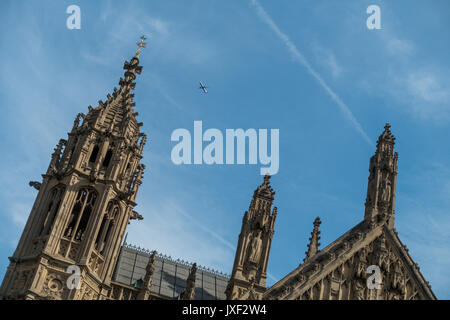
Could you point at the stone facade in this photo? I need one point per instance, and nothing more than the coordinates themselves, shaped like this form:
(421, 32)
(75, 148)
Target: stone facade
(87, 198)
(84, 204)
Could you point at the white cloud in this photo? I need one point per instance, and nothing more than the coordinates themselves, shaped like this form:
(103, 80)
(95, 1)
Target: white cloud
(399, 47)
(425, 94)
(19, 213)
(166, 39)
(427, 87)
(158, 25)
(419, 86)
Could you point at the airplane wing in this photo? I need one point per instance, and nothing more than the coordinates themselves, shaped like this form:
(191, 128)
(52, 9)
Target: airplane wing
(203, 87)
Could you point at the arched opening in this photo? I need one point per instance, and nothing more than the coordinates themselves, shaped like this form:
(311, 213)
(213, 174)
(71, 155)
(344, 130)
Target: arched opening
(107, 226)
(107, 159)
(81, 212)
(94, 154)
(52, 208)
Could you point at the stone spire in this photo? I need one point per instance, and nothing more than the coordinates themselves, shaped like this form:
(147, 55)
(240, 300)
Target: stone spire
(132, 68)
(189, 292)
(380, 200)
(254, 242)
(313, 246)
(113, 130)
(115, 114)
(85, 202)
(264, 190)
(386, 141)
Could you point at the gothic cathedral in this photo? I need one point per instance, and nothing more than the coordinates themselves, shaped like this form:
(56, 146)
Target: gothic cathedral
(87, 197)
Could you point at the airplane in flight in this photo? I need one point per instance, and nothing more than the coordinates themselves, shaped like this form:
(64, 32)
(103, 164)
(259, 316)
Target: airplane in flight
(203, 87)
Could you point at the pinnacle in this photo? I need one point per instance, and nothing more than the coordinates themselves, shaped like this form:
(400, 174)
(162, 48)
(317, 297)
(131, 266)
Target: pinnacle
(118, 108)
(317, 223)
(386, 136)
(132, 68)
(265, 190)
(313, 246)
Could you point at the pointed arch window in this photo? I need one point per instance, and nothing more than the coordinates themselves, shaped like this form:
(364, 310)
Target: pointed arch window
(107, 159)
(54, 203)
(94, 154)
(107, 226)
(81, 212)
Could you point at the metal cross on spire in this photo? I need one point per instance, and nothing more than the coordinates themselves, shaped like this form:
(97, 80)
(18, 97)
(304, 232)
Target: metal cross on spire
(141, 44)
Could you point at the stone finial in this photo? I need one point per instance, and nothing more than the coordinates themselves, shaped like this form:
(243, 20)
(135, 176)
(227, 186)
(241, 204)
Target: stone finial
(144, 292)
(313, 246)
(386, 138)
(140, 44)
(265, 190)
(189, 293)
(132, 68)
(151, 261)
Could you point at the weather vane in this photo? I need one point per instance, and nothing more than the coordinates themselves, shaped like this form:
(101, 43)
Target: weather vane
(141, 44)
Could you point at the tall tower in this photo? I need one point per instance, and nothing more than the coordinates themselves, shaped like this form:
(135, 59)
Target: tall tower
(248, 278)
(84, 204)
(380, 201)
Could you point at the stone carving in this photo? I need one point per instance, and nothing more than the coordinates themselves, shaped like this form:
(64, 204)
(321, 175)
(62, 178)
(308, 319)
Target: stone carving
(255, 248)
(189, 292)
(313, 246)
(53, 286)
(144, 293)
(35, 184)
(386, 189)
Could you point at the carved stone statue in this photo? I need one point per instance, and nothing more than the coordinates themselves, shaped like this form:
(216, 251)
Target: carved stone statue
(358, 289)
(255, 247)
(35, 184)
(386, 189)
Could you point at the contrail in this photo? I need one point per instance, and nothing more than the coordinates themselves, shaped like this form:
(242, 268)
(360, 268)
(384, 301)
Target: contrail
(215, 235)
(302, 60)
(208, 230)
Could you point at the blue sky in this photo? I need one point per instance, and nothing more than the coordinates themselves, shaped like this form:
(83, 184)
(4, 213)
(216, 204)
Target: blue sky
(312, 69)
